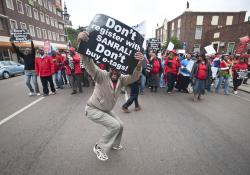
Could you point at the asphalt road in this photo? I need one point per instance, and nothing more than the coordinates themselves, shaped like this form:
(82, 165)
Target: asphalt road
(171, 135)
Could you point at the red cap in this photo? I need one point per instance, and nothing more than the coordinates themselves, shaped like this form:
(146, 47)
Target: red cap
(173, 51)
(72, 49)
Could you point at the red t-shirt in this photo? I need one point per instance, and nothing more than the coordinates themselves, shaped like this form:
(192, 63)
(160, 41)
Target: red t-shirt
(202, 72)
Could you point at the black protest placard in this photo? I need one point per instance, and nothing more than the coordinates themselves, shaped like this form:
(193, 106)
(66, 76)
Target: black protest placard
(112, 43)
(20, 35)
(154, 44)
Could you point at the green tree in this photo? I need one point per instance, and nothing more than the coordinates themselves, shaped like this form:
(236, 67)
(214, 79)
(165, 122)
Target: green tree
(73, 33)
(174, 40)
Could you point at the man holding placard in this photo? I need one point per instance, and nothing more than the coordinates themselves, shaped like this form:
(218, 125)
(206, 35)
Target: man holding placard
(108, 84)
(28, 56)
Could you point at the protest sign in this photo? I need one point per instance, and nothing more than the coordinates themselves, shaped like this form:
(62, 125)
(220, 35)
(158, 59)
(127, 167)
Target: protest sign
(20, 35)
(154, 44)
(170, 46)
(214, 71)
(242, 45)
(46, 46)
(181, 51)
(112, 43)
(190, 65)
(210, 50)
(242, 74)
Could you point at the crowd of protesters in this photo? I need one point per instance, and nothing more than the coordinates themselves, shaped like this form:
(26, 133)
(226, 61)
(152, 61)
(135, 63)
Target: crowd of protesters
(166, 69)
(169, 69)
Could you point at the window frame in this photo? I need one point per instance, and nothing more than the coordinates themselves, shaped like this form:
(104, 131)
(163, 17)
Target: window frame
(15, 24)
(35, 11)
(11, 4)
(21, 6)
(21, 24)
(28, 8)
(33, 34)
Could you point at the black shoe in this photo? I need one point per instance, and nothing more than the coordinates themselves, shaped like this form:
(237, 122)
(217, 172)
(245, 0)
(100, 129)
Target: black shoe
(74, 92)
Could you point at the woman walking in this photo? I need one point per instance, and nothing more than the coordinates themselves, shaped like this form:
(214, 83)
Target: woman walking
(201, 72)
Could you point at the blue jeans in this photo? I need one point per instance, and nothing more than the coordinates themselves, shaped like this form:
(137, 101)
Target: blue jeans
(58, 79)
(226, 85)
(31, 74)
(143, 81)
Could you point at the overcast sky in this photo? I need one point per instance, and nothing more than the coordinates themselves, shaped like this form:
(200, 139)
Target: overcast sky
(132, 12)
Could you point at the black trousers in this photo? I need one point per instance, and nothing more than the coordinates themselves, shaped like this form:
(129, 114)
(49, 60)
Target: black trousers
(45, 81)
(75, 80)
(183, 82)
(171, 78)
(237, 83)
(65, 81)
(132, 98)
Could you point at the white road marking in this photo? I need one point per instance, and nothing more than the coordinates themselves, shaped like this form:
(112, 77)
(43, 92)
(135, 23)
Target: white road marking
(20, 110)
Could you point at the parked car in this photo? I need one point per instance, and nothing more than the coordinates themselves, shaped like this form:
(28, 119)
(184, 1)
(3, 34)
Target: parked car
(10, 68)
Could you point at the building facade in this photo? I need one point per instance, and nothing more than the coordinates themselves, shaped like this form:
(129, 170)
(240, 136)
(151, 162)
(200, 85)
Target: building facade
(191, 27)
(42, 18)
(226, 39)
(161, 32)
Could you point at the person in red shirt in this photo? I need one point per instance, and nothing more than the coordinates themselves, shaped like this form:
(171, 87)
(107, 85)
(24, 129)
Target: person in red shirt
(201, 72)
(44, 69)
(171, 68)
(73, 69)
(57, 67)
(239, 73)
(154, 75)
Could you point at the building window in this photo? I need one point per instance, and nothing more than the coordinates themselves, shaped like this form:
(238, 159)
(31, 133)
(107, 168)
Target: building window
(217, 35)
(51, 21)
(42, 17)
(60, 26)
(230, 47)
(172, 26)
(54, 9)
(47, 19)
(28, 10)
(59, 13)
(13, 24)
(44, 34)
(229, 20)
(40, 2)
(1, 24)
(38, 32)
(54, 36)
(9, 4)
(36, 16)
(19, 5)
(179, 23)
(62, 38)
(178, 33)
(199, 20)
(49, 35)
(57, 37)
(23, 25)
(196, 47)
(50, 6)
(32, 30)
(172, 33)
(198, 32)
(215, 20)
(56, 23)
(45, 4)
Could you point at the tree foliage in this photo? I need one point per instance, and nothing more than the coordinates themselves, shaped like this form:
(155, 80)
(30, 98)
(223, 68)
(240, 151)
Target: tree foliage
(73, 33)
(174, 40)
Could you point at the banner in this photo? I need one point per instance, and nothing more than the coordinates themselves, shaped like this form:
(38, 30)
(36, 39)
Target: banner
(170, 46)
(46, 46)
(112, 42)
(242, 45)
(20, 35)
(210, 50)
(154, 44)
(190, 65)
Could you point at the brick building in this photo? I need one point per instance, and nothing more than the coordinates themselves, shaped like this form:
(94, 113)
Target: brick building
(226, 39)
(191, 27)
(162, 31)
(43, 19)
